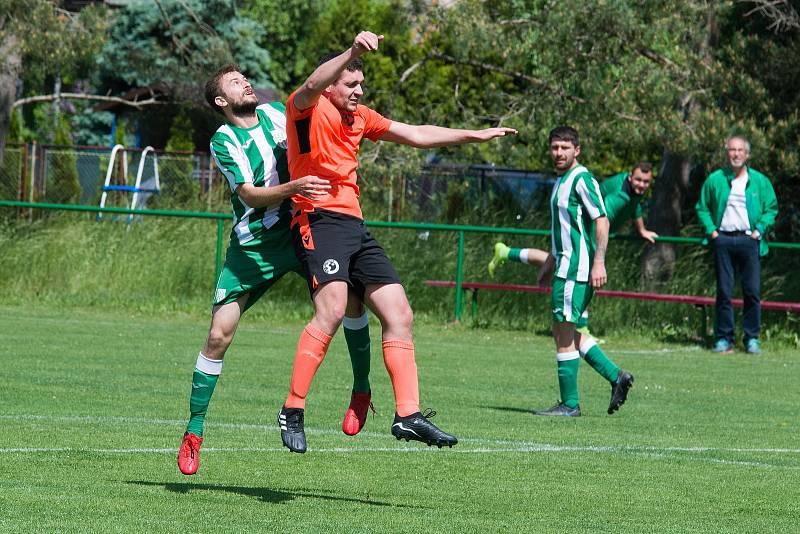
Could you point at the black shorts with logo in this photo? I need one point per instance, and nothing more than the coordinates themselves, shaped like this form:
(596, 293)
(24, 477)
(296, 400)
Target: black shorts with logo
(335, 246)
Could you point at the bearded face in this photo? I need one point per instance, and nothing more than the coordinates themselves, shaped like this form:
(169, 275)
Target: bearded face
(238, 94)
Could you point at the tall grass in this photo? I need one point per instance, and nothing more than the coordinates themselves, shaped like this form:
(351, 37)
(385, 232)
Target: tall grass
(158, 264)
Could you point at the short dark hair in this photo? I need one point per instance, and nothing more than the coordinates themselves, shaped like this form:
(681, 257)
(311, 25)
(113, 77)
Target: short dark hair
(564, 133)
(213, 87)
(644, 166)
(354, 65)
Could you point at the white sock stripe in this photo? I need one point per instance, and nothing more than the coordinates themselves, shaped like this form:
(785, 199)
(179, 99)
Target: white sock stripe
(523, 255)
(587, 345)
(207, 365)
(356, 323)
(567, 356)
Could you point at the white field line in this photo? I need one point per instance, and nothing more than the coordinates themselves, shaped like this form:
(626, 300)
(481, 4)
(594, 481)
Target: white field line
(481, 445)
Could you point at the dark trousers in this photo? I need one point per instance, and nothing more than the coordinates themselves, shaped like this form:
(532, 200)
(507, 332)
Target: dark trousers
(737, 254)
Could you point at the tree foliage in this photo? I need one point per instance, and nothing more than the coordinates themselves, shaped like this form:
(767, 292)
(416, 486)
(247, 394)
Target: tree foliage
(179, 43)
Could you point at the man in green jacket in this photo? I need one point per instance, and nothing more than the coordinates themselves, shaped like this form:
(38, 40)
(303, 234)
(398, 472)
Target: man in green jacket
(737, 207)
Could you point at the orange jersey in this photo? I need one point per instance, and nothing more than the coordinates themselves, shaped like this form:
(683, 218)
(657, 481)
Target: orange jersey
(324, 142)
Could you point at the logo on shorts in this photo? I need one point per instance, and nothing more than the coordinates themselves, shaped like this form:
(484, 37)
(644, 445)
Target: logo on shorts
(557, 310)
(330, 266)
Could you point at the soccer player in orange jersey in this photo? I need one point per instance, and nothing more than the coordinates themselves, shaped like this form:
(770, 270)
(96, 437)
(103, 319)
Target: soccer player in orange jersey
(325, 126)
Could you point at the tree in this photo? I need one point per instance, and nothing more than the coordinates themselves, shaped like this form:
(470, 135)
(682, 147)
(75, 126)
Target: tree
(662, 80)
(287, 26)
(28, 31)
(180, 43)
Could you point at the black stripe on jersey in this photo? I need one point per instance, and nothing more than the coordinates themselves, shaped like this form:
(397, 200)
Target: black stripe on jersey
(303, 127)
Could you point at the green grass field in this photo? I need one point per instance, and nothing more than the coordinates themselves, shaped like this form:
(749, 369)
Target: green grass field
(94, 404)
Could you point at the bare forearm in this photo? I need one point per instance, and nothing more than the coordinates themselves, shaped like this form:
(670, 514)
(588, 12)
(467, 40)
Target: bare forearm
(327, 73)
(601, 238)
(640, 226)
(429, 136)
(261, 197)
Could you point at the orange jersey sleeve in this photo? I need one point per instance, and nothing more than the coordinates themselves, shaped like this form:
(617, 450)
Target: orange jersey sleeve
(375, 124)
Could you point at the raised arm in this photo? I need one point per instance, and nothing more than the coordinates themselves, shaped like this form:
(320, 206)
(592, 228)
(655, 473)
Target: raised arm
(427, 136)
(327, 73)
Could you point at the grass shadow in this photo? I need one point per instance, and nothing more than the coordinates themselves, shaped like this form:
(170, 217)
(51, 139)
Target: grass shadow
(262, 494)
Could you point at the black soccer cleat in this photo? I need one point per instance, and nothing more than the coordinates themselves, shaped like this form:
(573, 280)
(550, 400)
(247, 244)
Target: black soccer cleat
(619, 391)
(417, 427)
(292, 432)
(561, 409)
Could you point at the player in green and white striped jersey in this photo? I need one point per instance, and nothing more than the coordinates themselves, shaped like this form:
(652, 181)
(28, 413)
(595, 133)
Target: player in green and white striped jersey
(622, 195)
(579, 236)
(250, 151)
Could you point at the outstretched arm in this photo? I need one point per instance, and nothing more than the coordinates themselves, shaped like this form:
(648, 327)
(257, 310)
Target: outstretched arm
(427, 136)
(329, 72)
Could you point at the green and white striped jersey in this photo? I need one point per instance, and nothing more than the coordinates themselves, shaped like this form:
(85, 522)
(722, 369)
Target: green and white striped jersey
(575, 203)
(254, 155)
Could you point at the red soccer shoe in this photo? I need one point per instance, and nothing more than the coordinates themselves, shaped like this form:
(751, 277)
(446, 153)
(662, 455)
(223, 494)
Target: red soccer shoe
(189, 454)
(356, 415)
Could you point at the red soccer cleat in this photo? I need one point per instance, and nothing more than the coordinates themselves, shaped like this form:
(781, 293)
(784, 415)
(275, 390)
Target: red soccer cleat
(356, 415)
(189, 454)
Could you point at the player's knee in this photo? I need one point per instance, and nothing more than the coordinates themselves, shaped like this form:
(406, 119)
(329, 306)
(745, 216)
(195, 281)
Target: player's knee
(219, 340)
(401, 317)
(331, 313)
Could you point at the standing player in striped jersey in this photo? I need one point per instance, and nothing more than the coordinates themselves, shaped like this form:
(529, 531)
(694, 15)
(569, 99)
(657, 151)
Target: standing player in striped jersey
(579, 236)
(622, 195)
(250, 151)
(325, 125)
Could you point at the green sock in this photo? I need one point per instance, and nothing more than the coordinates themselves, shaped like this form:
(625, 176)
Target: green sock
(356, 333)
(568, 363)
(595, 357)
(513, 254)
(203, 384)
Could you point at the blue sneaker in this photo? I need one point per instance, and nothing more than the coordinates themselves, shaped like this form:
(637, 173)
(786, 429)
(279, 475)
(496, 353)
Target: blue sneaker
(753, 346)
(723, 346)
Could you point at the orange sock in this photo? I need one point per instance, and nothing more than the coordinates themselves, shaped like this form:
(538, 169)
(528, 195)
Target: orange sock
(399, 359)
(311, 349)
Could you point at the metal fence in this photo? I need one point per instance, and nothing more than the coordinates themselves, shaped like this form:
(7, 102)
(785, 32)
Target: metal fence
(459, 230)
(75, 175)
(476, 194)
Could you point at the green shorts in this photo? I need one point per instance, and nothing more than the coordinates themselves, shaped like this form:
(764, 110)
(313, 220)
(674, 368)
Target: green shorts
(254, 268)
(570, 301)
